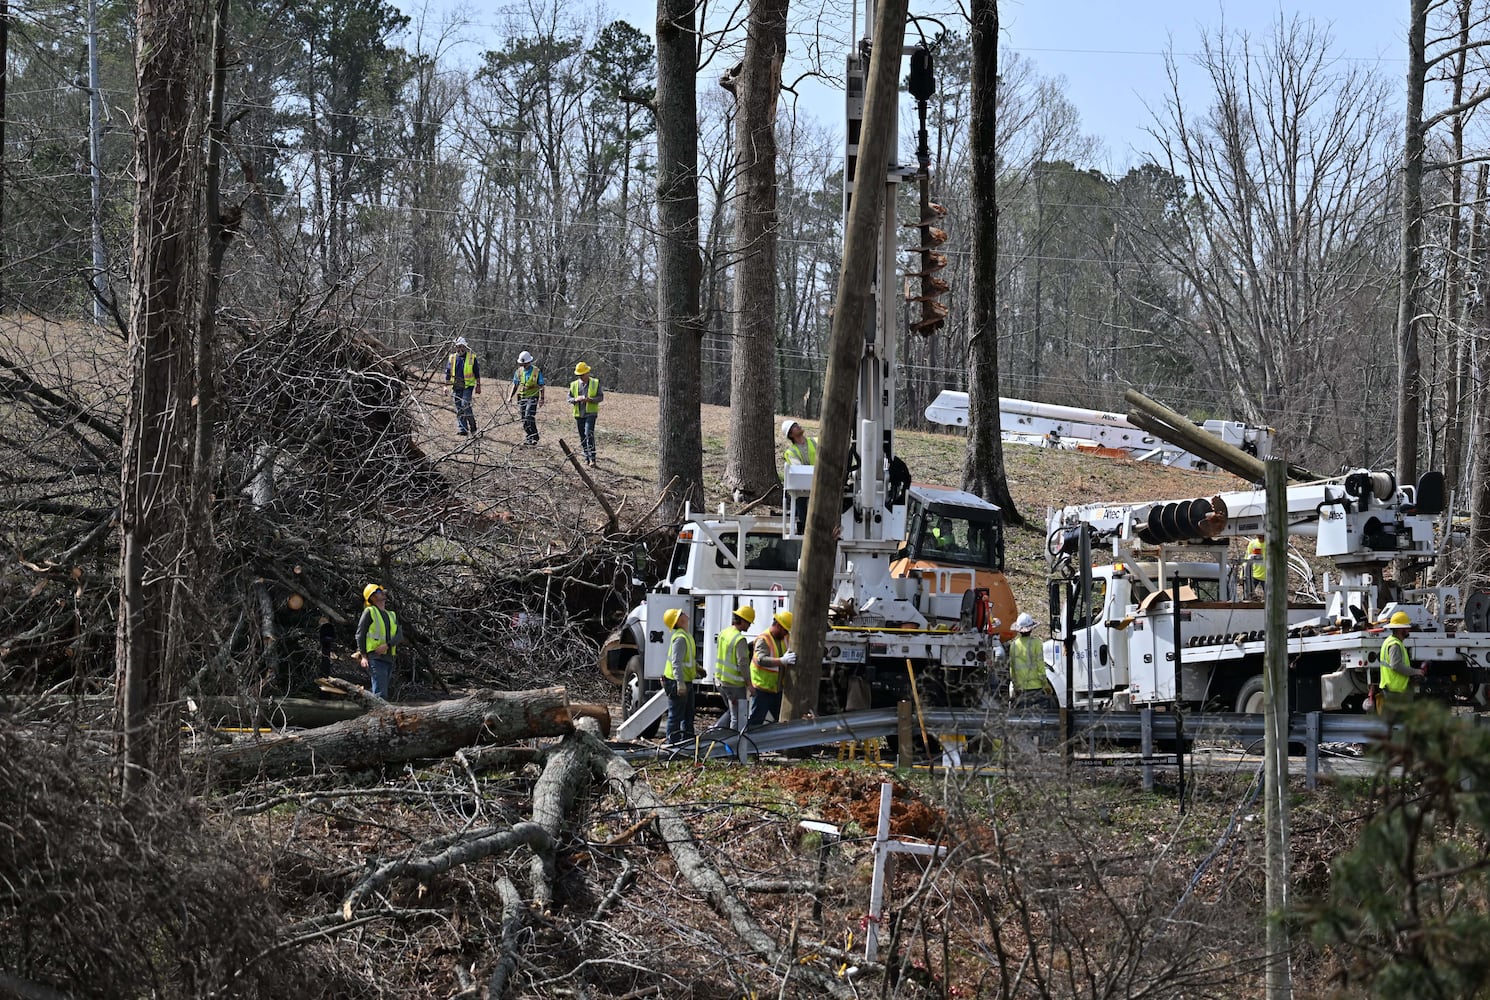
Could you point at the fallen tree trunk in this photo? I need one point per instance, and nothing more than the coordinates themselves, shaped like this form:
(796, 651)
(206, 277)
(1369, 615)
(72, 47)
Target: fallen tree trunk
(694, 865)
(395, 734)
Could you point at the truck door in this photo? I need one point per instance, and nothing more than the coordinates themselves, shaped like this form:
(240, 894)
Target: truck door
(654, 656)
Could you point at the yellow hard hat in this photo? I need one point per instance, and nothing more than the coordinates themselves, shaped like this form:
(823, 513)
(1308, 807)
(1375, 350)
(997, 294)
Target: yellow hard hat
(1399, 620)
(671, 615)
(581, 369)
(746, 614)
(369, 590)
(784, 619)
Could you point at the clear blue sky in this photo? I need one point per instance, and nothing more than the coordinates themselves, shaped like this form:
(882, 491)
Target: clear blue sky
(1110, 53)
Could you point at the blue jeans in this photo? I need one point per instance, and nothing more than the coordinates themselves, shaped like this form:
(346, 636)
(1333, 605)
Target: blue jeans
(680, 709)
(586, 425)
(465, 415)
(763, 704)
(381, 669)
(529, 410)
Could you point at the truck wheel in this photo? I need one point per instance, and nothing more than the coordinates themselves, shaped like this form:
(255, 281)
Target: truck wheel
(1249, 700)
(634, 693)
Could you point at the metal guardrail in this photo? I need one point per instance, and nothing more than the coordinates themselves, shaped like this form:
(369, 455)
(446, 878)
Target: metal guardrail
(1309, 729)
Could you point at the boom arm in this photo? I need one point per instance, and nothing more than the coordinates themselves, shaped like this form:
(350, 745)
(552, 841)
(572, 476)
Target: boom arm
(1361, 518)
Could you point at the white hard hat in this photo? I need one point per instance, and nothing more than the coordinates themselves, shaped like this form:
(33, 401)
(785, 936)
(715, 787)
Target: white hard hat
(1025, 622)
(786, 427)
(524, 358)
(461, 342)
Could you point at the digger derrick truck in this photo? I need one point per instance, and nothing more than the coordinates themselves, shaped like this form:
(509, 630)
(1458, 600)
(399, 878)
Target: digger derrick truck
(920, 592)
(1116, 642)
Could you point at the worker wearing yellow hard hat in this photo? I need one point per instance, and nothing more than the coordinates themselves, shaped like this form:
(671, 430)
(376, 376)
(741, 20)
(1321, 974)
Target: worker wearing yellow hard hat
(731, 661)
(585, 396)
(766, 665)
(377, 638)
(679, 674)
(1393, 688)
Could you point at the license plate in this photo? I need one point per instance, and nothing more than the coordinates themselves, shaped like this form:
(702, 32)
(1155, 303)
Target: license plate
(849, 654)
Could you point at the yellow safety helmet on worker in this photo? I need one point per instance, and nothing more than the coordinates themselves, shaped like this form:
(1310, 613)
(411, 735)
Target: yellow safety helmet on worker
(671, 615)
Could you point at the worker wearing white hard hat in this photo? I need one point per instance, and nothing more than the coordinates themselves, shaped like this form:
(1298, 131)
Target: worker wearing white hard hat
(678, 675)
(800, 450)
(1031, 688)
(463, 375)
(527, 389)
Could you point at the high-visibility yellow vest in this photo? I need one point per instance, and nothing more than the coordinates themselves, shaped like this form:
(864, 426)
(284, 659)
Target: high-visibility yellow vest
(589, 405)
(1390, 679)
(1027, 663)
(379, 629)
(462, 370)
(804, 454)
(689, 670)
(1259, 566)
(728, 671)
(762, 677)
(528, 385)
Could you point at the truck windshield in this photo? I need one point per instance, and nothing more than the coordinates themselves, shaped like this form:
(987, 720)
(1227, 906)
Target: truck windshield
(763, 551)
(958, 541)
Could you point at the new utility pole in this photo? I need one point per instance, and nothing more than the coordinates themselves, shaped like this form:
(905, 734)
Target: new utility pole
(1275, 729)
(853, 313)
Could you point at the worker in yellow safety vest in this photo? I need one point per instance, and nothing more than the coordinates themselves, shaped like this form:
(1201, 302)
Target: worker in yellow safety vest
(1257, 564)
(585, 395)
(463, 375)
(800, 450)
(731, 661)
(765, 669)
(527, 389)
(377, 638)
(679, 674)
(1396, 672)
(1031, 688)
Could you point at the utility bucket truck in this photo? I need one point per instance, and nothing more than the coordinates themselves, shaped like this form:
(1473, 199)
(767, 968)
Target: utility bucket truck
(1120, 638)
(919, 589)
(1078, 428)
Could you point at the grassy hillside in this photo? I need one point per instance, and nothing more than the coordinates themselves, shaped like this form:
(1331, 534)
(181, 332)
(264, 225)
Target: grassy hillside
(494, 463)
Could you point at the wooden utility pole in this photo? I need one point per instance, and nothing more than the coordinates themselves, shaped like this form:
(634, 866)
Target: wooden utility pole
(1275, 729)
(852, 314)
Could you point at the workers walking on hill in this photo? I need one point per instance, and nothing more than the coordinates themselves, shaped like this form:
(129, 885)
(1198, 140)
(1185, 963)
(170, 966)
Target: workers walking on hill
(800, 450)
(463, 375)
(1393, 688)
(1027, 667)
(377, 638)
(1257, 562)
(585, 395)
(527, 389)
(731, 661)
(765, 669)
(679, 674)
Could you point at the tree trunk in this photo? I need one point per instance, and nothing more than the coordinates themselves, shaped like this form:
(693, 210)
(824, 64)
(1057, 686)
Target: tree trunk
(156, 572)
(394, 734)
(750, 465)
(983, 469)
(1410, 367)
(680, 470)
(1479, 362)
(851, 317)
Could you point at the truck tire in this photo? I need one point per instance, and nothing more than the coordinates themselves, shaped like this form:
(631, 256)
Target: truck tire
(1249, 700)
(634, 692)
